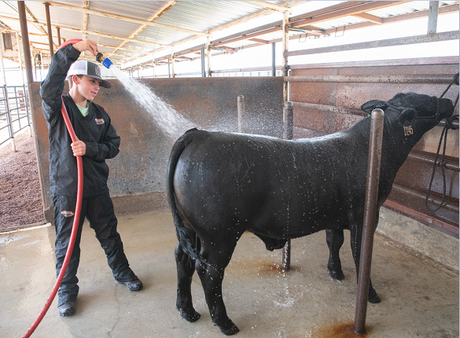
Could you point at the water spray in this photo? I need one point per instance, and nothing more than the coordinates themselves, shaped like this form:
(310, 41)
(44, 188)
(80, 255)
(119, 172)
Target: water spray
(106, 62)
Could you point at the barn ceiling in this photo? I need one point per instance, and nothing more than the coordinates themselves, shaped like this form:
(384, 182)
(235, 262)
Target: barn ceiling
(133, 31)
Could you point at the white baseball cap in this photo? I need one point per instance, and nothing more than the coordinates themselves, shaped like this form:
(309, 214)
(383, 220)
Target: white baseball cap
(90, 69)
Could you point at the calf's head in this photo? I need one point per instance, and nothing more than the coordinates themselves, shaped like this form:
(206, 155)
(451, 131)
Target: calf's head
(417, 113)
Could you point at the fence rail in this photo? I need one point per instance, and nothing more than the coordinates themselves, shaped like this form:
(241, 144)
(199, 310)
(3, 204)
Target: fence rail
(15, 114)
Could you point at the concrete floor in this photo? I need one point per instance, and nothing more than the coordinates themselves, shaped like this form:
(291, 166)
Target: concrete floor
(419, 299)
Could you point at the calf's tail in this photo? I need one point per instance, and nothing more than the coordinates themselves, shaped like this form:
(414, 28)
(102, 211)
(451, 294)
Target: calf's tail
(186, 235)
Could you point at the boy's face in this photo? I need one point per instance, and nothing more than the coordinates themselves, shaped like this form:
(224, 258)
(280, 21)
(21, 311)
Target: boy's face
(87, 86)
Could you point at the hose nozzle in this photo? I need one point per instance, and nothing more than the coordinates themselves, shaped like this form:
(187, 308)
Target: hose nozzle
(106, 62)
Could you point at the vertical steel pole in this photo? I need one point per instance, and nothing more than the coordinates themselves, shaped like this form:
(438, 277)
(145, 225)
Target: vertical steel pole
(42, 65)
(173, 63)
(169, 68)
(241, 110)
(286, 265)
(20, 60)
(25, 41)
(2, 65)
(203, 63)
(288, 134)
(208, 56)
(288, 123)
(50, 30)
(370, 218)
(433, 17)
(285, 48)
(58, 30)
(273, 59)
(25, 49)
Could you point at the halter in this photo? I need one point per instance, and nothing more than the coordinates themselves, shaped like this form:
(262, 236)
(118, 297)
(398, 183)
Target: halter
(448, 125)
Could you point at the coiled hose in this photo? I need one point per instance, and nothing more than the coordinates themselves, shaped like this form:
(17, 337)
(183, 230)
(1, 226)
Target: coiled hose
(76, 219)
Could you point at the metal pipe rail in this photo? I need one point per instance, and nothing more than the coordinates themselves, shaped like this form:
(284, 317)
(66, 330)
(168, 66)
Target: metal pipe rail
(448, 205)
(330, 109)
(404, 41)
(397, 79)
(14, 114)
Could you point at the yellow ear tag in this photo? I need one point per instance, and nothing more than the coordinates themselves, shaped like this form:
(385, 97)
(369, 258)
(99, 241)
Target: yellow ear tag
(408, 131)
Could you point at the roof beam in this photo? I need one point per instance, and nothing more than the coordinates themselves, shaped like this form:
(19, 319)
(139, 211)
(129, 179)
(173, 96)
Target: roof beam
(369, 17)
(328, 13)
(264, 42)
(89, 32)
(403, 17)
(341, 10)
(34, 19)
(155, 16)
(268, 5)
(125, 18)
(246, 18)
(397, 18)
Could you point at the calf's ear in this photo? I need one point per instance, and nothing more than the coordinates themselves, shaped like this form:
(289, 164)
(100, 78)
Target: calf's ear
(369, 106)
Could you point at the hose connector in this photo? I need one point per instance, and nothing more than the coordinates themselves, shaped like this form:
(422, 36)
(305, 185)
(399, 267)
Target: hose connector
(106, 62)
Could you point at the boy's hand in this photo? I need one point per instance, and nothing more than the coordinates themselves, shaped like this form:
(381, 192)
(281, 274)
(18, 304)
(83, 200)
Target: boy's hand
(78, 148)
(86, 45)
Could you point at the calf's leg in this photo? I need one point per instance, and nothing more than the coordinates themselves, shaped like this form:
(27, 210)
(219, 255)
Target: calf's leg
(211, 275)
(356, 236)
(185, 269)
(334, 239)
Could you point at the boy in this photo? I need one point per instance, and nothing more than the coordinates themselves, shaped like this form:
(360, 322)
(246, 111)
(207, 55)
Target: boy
(97, 141)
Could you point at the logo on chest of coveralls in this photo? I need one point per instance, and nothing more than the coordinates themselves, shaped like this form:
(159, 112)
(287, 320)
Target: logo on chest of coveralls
(99, 121)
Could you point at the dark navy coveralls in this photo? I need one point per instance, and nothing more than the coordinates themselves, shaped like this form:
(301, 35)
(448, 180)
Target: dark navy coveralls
(102, 143)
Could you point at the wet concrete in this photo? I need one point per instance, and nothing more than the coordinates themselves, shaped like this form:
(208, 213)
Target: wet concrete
(419, 298)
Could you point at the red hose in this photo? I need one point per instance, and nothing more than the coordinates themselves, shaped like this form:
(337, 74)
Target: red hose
(76, 220)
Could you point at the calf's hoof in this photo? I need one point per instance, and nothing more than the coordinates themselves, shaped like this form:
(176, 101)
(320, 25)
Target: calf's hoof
(337, 275)
(190, 316)
(229, 329)
(374, 297)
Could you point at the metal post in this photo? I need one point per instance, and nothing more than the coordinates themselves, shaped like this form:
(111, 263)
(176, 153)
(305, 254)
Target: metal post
(369, 221)
(273, 59)
(169, 68)
(288, 122)
(34, 63)
(58, 30)
(1, 61)
(203, 63)
(20, 59)
(9, 120)
(208, 56)
(42, 66)
(49, 28)
(288, 134)
(285, 49)
(25, 41)
(433, 17)
(241, 109)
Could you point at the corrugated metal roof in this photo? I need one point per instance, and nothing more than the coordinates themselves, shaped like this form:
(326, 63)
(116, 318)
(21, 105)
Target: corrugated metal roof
(125, 30)
(206, 15)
